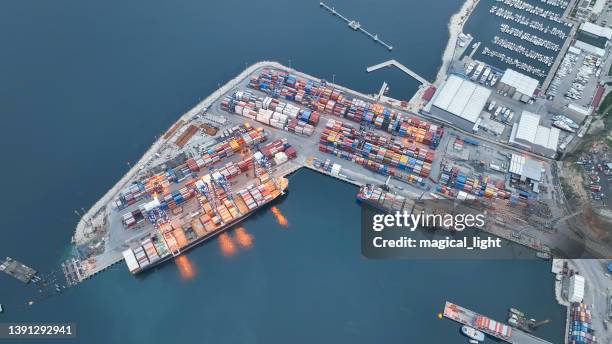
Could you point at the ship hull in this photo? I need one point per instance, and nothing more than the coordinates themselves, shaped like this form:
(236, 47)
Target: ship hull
(204, 238)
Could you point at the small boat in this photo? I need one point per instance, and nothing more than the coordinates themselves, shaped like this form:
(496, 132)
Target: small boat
(563, 126)
(470, 67)
(1, 309)
(472, 333)
(494, 80)
(544, 255)
(566, 120)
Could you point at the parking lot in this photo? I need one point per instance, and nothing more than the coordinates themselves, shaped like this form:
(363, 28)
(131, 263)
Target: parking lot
(597, 166)
(576, 79)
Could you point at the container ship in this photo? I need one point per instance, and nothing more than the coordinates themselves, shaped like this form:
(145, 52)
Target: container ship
(204, 203)
(217, 215)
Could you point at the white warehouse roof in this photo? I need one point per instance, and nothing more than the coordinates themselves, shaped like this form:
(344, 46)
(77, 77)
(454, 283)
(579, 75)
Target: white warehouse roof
(524, 167)
(529, 130)
(528, 126)
(596, 30)
(547, 137)
(462, 98)
(521, 82)
(589, 48)
(576, 289)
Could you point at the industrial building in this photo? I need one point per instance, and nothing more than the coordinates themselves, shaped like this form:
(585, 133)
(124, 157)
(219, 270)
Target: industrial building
(518, 86)
(588, 10)
(575, 291)
(530, 135)
(525, 170)
(593, 38)
(579, 113)
(460, 102)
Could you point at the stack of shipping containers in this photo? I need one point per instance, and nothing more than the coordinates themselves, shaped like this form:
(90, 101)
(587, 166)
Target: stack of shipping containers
(581, 330)
(408, 163)
(493, 327)
(451, 177)
(272, 112)
(160, 182)
(321, 97)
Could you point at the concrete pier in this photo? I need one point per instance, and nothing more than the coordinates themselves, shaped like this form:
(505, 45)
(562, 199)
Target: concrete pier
(555, 66)
(468, 317)
(355, 25)
(401, 67)
(382, 91)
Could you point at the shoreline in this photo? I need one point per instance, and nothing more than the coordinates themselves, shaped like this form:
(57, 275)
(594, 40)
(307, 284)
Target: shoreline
(455, 27)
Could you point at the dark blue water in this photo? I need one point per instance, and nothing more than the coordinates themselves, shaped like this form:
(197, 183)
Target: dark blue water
(86, 88)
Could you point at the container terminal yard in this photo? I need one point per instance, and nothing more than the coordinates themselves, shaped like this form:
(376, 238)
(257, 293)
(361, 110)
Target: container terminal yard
(231, 154)
(269, 122)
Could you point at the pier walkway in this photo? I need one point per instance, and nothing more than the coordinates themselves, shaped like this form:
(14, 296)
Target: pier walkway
(382, 91)
(476, 46)
(467, 317)
(401, 67)
(355, 25)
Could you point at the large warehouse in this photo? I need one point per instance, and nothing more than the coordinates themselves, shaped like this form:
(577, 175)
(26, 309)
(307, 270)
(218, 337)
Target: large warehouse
(460, 102)
(518, 86)
(529, 134)
(593, 38)
(526, 170)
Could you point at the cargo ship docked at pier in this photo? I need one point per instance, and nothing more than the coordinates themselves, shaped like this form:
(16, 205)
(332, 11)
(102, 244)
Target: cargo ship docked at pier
(173, 238)
(202, 203)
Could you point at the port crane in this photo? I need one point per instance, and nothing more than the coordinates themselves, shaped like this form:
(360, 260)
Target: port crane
(156, 215)
(317, 96)
(221, 181)
(518, 319)
(259, 159)
(210, 195)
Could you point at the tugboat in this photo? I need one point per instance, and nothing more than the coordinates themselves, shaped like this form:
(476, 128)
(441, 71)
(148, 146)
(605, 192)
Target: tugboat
(472, 333)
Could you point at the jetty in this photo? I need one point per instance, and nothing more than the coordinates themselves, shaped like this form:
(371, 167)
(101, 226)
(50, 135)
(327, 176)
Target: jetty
(401, 67)
(355, 25)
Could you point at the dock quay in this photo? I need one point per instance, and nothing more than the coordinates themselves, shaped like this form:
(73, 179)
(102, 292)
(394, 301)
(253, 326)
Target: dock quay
(401, 67)
(355, 25)
(18, 270)
(553, 69)
(470, 318)
(474, 49)
(73, 272)
(382, 91)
